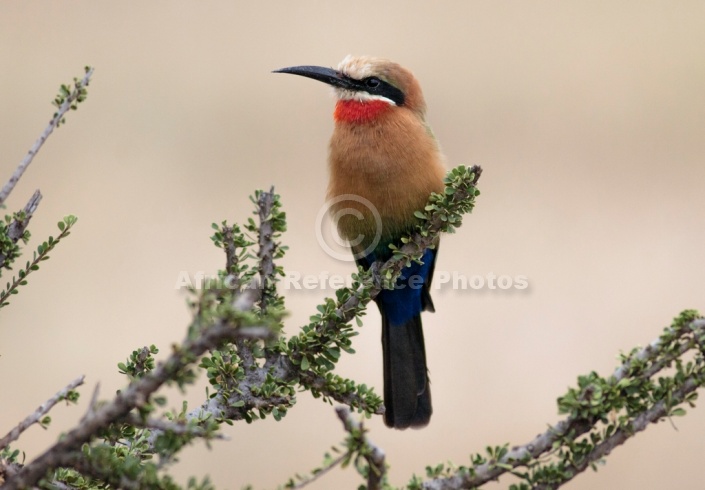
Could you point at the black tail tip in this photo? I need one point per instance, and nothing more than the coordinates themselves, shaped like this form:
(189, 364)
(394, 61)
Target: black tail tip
(402, 425)
(415, 423)
(418, 420)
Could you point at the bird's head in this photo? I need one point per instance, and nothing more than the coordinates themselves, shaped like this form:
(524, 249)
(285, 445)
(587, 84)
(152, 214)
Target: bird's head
(368, 80)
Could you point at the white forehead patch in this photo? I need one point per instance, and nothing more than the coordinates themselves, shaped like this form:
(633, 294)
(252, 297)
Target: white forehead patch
(356, 67)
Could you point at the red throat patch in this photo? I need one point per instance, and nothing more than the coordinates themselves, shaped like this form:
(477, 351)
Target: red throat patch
(356, 111)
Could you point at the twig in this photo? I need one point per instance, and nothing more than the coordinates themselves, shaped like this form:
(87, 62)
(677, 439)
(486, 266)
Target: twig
(17, 227)
(372, 453)
(42, 410)
(266, 246)
(98, 471)
(282, 368)
(319, 473)
(231, 258)
(55, 121)
(219, 407)
(315, 381)
(33, 265)
(92, 403)
(650, 353)
(178, 427)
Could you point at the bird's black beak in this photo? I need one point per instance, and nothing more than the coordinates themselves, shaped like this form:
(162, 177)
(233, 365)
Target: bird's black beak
(325, 75)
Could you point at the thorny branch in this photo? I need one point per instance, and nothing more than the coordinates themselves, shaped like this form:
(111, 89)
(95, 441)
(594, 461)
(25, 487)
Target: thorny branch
(573, 427)
(228, 405)
(134, 396)
(641, 422)
(640, 365)
(655, 413)
(234, 406)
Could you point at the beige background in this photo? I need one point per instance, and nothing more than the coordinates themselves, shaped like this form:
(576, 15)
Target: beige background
(588, 118)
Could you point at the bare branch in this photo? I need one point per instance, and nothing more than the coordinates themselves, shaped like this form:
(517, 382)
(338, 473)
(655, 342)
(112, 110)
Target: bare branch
(55, 121)
(42, 410)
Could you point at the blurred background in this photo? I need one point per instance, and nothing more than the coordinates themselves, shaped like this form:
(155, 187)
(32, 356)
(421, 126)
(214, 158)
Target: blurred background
(587, 117)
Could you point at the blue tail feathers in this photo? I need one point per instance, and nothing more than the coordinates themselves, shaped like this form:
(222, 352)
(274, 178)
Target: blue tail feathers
(406, 300)
(407, 395)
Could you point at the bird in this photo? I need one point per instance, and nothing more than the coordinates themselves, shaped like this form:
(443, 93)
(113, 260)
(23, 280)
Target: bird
(383, 153)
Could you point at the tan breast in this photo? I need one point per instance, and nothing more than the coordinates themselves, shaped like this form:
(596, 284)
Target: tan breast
(394, 163)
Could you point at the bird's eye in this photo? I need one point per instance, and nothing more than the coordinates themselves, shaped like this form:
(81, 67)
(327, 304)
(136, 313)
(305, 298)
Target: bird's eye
(372, 82)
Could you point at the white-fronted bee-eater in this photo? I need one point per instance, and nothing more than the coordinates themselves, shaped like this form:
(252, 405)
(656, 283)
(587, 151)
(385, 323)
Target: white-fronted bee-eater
(383, 151)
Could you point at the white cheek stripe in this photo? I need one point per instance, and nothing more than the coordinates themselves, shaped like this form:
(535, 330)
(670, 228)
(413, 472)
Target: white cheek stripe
(360, 96)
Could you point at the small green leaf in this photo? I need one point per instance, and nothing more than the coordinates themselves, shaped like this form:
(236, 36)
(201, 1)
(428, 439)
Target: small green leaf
(677, 412)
